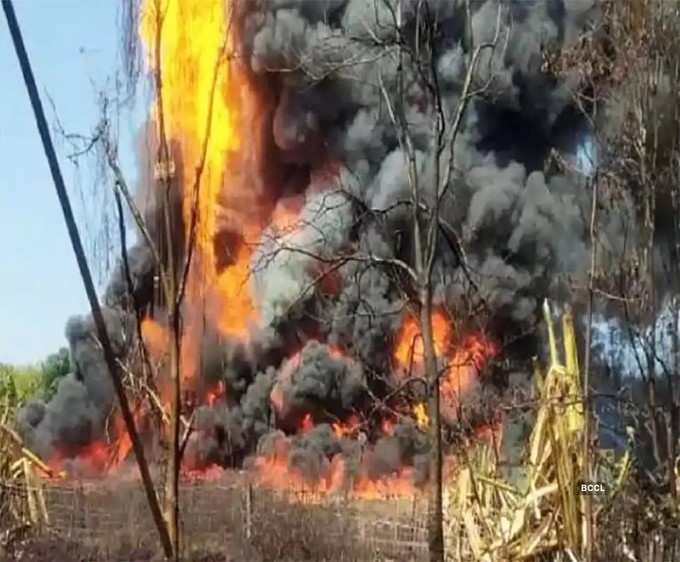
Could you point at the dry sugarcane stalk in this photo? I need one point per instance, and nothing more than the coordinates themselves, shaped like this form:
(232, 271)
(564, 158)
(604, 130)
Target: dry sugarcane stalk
(499, 520)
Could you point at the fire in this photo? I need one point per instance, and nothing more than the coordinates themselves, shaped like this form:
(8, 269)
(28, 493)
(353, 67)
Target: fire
(348, 428)
(215, 393)
(121, 448)
(420, 413)
(236, 307)
(276, 398)
(399, 484)
(409, 348)
(465, 363)
(203, 116)
(92, 458)
(201, 104)
(274, 471)
(387, 426)
(290, 366)
(210, 473)
(463, 359)
(307, 423)
(492, 432)
(335, 352)
(155, 337)
(100, 456)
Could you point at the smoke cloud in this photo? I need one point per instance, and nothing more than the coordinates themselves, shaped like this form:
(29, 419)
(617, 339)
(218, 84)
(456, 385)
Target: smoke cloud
(327, 329)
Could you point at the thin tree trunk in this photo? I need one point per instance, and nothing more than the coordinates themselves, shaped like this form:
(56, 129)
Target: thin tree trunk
(587, 502)
(435, 512)
(171, 503)
(172, 478)
(171, 499)
(102, 334)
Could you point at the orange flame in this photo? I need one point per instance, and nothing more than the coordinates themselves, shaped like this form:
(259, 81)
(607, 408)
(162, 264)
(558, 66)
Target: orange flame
(307, 423)
(464, 365)
(275, 472)
(235, 303)
(346, 429)
(409, 348)
(420, 413)
(210, 473)
(387, 426)
(464, 360)
(215, 393)
(155, 337)
(122, 446)
(202, 101)
(289, 367)
(399, 484)
(94, 457)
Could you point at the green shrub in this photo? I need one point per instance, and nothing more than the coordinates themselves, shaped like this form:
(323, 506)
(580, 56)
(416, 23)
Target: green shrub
(54, 368)
(18, 384)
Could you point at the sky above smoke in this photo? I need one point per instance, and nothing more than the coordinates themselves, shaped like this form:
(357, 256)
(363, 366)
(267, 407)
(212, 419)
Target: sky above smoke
(39, 281)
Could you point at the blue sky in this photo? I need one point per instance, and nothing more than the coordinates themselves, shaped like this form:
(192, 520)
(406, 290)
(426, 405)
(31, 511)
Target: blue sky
(73, 45)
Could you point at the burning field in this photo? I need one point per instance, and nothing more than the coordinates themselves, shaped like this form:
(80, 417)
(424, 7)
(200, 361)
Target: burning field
(276, 189)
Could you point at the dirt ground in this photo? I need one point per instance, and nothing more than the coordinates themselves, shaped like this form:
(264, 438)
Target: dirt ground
(56, 549)
(108, 521)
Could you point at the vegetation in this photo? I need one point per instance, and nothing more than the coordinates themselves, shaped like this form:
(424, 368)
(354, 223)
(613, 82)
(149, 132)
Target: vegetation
(56, 366)
(628, 71)
(19, 383)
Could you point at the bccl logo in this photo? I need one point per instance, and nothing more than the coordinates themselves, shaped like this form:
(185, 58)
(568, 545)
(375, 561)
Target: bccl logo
(591, 488)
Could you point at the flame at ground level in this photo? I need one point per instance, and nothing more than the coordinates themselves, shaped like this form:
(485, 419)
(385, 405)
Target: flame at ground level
(275, 472)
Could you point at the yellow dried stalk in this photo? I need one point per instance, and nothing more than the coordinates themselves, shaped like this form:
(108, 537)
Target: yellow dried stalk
(497, 520)
(552, 342)
(17, 471)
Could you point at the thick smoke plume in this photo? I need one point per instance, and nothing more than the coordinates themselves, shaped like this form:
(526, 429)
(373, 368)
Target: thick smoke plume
(76, 416)
(331, 153)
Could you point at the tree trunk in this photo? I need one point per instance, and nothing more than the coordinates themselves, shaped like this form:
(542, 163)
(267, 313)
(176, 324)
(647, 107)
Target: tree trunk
(90, 290)
(171, 499)
(435, 512)
(171, 504)
(171, 507)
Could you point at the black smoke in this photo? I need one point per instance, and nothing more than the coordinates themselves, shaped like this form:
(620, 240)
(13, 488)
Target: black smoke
(512, 227)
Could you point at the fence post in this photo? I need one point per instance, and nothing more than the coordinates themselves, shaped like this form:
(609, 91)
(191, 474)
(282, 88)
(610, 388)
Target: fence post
(249, 511)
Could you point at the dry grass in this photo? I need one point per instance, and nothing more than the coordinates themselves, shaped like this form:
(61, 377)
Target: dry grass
(538, 514)
(23, 509)
(490, 516)
(494, 517)
(109, 520)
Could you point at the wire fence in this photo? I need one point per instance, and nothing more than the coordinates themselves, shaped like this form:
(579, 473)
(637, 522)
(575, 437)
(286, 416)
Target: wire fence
(112, 516)
(218, 515)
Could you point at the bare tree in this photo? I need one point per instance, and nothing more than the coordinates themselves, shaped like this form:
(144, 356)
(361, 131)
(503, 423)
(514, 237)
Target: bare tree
(425, 215)
(172, 265)
(414, 53)
(630, 70)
